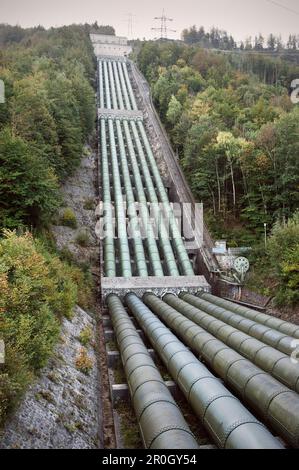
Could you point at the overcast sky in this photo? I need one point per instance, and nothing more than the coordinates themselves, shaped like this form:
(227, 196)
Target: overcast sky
(241, 18)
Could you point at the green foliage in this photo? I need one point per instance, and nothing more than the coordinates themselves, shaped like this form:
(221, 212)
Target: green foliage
(82, 238)
(85, 336)
(29, 190)
(280, 263)
(83, 362)
(174, 110)
(89, 204)
(219, 39)
(48, 115)
(68, 218)
(36, 290)
(237, 137)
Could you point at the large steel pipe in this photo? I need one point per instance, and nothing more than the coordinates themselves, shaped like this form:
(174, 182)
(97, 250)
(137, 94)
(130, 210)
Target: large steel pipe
(267, 335)
(152, 248)
(161, 424)
(272, 322)
(131, 207)
(109, 248)
(153, 251)
(129, 86)
(125, 257)
(156, 210)
(275, 403)
(267, 358)
(229, 423)
(181, 252)
(124, 87)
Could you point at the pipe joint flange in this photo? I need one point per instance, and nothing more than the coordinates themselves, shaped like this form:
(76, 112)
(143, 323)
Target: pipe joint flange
(146, 382)
(275, 364)
(155, 398)
(198, 380)
(275, 395)
(166, 429)
(224, 435)
(211, 400)
(252, 376)
(183, 367)
(231, 365)
(138, 343)
(139, 366)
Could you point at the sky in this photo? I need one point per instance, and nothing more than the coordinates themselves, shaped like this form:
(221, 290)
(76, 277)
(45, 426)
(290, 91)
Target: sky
(241, 18)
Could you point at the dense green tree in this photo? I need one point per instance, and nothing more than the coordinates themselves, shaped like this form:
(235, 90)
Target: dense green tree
(28, 187)
(174, 110)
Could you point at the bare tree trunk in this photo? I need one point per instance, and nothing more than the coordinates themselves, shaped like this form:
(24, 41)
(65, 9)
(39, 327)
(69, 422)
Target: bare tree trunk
(219, 187)
(233, 183)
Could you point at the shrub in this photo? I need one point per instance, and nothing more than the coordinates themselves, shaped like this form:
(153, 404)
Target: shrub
(83, 362)
(280, 264)
(68, 218)
(82, 238)
(85, 336)
(36, 289)
(89, 204)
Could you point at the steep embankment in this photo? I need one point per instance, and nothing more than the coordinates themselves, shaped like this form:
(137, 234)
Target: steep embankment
(62, 409)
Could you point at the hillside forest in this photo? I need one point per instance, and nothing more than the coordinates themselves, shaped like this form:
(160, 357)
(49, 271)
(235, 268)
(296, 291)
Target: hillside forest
(47, 117)
(235, 129)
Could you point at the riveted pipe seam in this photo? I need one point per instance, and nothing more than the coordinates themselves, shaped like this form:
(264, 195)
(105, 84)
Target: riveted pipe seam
(140, 311)
(137, 241)
(280, 325)
(262, 355)
(154, 416)
(251, 383)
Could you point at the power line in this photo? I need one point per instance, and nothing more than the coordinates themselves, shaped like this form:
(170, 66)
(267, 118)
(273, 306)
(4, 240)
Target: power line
(163, 29)
(295, 12)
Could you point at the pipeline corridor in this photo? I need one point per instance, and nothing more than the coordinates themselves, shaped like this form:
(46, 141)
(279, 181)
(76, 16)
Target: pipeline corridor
(231, 364)
(130, 174)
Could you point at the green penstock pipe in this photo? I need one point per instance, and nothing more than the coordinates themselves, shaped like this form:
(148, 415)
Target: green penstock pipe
(267, 335)
(229, 423)
(271, 322)
(161, 423)
(267, 358)
(275, 403)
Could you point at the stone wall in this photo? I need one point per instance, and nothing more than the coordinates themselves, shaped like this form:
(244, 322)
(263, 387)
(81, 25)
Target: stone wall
(61, 409)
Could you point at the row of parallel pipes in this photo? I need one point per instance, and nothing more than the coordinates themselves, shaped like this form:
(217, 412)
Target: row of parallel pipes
(130, 142)
(161, 423)
(248, 350)
(268, 358)
(275, 403)
(229, 423)
(283, 326)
